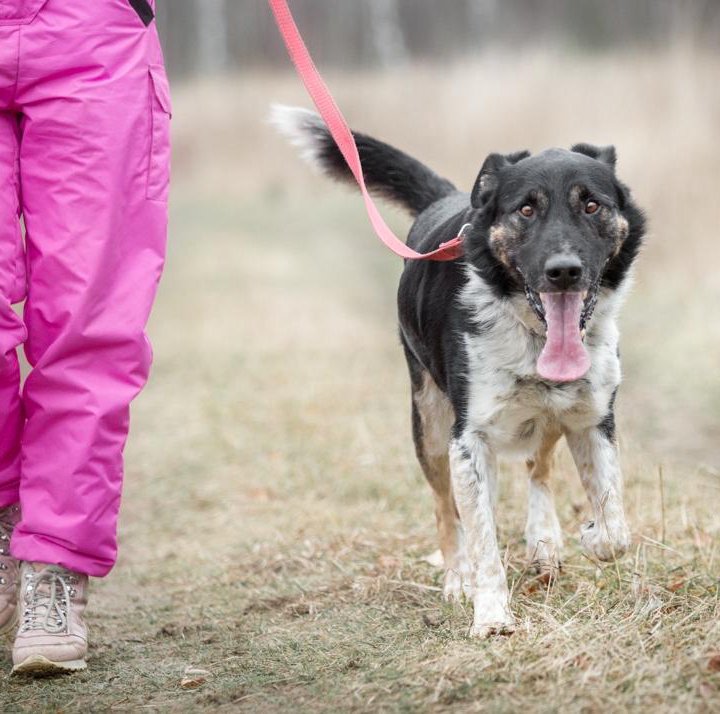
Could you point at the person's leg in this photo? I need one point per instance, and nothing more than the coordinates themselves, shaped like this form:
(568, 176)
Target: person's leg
(94, 170)
(94, 154)
(12, 332)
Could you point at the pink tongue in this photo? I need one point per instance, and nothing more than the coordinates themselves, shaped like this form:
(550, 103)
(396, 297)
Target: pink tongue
(564, 357)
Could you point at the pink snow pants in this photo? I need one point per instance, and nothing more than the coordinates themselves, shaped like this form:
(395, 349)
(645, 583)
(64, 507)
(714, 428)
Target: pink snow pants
(84, 160)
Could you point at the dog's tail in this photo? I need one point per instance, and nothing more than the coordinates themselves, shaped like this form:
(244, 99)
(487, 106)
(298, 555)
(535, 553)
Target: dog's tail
(389, 173)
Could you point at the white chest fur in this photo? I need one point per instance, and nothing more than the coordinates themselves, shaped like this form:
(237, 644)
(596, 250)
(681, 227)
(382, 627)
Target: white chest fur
(507, 402)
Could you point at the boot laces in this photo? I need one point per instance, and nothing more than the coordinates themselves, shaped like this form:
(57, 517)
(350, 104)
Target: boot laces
(47, 600)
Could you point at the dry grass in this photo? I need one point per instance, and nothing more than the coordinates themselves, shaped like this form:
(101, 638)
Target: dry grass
(275, 521)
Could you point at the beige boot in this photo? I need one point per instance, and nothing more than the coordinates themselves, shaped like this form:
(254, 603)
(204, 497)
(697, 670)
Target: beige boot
(52, 636)
(9, 573)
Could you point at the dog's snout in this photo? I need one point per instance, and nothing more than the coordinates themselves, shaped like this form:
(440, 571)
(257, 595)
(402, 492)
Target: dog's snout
(563, 271)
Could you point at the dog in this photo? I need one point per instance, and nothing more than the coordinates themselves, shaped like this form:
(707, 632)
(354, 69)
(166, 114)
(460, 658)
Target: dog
(509, 347)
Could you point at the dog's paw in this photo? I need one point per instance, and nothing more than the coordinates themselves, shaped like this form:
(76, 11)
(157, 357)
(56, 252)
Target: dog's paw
(435, 559)
(491, 615)
(543, 555)
(483, 630)
(458, 583)
(545, 571)
(604, 543)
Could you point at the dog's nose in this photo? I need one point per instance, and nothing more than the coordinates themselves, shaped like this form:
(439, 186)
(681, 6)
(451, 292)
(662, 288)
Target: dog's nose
(563, 271)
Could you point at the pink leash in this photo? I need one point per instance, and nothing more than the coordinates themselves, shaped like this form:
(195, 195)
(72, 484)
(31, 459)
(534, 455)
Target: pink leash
(343, 137)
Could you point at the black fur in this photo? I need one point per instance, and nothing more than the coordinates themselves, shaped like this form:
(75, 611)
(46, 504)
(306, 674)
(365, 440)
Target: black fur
(618, 267)
(486, 181)
(607, 425)
(606, 154)
(388, 172)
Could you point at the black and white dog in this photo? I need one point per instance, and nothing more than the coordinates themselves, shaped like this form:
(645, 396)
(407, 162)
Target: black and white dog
(511, 346)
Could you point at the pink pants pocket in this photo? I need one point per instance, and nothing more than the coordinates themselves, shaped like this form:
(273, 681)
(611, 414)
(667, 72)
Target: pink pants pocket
(158, 180)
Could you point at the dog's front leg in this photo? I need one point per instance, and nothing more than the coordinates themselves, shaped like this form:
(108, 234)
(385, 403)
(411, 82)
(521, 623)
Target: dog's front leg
(596, 456)
(472, 467)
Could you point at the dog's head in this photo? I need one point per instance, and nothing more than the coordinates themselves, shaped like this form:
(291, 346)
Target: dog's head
(556, 226)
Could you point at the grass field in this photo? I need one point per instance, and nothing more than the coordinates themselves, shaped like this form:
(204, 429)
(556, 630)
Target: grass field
(275, 522)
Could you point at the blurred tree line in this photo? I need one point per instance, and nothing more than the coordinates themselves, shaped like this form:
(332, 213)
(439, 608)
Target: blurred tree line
(206, 36)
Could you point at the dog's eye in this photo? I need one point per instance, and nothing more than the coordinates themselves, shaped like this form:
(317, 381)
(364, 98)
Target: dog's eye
(527, 210)
(591, 207)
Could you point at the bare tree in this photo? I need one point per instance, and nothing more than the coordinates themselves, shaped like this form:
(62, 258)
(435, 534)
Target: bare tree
(387, 35)
(482, 15)
(213, 51)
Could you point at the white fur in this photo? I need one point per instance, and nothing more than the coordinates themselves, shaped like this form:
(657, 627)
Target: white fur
(505, 393)
(301, 127)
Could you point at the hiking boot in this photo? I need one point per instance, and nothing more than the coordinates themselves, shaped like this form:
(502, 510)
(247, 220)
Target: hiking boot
(52, 637)
(9, 572)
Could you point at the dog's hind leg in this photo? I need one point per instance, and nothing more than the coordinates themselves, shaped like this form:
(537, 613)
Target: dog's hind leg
(542, 532)
(432, 419)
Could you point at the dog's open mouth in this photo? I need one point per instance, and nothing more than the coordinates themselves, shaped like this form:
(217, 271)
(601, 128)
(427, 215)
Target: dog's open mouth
(565, 315)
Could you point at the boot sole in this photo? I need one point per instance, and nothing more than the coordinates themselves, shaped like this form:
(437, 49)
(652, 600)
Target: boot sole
(37, 665)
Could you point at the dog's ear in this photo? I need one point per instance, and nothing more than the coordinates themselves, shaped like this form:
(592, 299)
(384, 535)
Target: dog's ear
(517, 156)
(487, 179)
(606, 154)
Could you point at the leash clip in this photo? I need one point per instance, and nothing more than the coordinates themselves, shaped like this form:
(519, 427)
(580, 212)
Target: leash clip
(452, 249)
(465, 227)
(459, 238)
